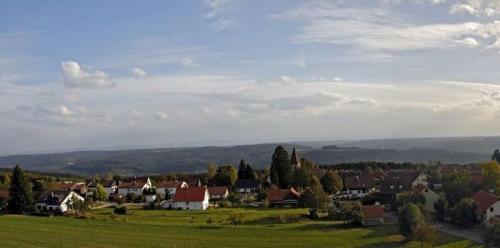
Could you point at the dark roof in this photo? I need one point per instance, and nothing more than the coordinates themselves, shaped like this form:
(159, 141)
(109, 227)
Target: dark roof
(358, 182)
(55, 197)
(190, 194)
(373, 211)
(247, 184)
(398, 181)
(169, 184)
(484, 200)
(282, 194)
(221, 190)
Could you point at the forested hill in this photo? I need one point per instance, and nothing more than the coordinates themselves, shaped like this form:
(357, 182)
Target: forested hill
(156, 161)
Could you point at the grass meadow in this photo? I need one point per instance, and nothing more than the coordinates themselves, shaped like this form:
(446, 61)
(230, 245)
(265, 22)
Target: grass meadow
(172, 228)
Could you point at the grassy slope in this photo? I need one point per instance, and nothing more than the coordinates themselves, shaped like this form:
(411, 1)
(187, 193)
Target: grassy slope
(161, 228)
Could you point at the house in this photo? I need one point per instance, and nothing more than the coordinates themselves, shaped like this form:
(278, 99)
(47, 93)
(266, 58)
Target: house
(166, 189)
(283, 197)
(358, 186)
(218, 193)
(247, 186)
(56, 201)
(488, 208)
(136, 185)
(4, 197)
(79, 188)
(110, 186)
(396, 182)
(373, 215)
(191, 198)
(430, 196)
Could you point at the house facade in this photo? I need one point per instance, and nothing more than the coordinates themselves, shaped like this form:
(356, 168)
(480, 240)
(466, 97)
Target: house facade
(488, 208)
(134, 185)
(167, 189)
(373, 215)
(283, 197)
(218, 193)
(247, 186)
(56, 202)
(191, 198)
(430, 196)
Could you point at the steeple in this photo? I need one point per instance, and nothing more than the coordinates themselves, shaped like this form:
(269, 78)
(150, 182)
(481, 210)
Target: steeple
(295, 161)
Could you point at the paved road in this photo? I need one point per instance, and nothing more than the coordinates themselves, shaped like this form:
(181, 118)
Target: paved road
(474, 234)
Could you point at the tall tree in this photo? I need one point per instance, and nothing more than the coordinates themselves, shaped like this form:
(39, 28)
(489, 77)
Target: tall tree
(491, 175)
(456, 187)
(302, 178)
(242, 169)
(332, 182)
(496, 156)
(281, 168)
(20, 192)
(250, 173)
(100, 193)
(410, 217)
(211, 170)
(226, 176)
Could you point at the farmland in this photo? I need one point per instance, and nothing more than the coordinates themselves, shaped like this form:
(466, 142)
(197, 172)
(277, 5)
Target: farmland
(162, 228)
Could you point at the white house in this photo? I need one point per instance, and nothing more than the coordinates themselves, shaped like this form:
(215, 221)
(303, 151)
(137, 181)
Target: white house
(168, 188)
(218, 193)
(135, 185)
(192, 198)
(430, 196)
(57, 201)
(488, 208)
(247, 186)
(110, 186)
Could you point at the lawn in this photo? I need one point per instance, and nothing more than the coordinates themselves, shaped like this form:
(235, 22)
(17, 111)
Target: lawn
(163, 228)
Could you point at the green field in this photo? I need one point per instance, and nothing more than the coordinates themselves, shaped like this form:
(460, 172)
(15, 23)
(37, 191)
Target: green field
(163, 228)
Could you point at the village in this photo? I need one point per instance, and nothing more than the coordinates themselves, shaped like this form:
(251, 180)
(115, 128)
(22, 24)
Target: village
(363, 194)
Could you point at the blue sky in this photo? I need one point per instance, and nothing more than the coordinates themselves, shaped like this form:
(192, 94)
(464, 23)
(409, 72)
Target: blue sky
(100, 74)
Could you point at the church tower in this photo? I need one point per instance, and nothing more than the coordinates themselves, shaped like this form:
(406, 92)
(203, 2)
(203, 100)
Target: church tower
(295, 160)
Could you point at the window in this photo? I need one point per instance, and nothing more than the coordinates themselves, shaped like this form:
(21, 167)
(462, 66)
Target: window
(492, 209)
(187, 203)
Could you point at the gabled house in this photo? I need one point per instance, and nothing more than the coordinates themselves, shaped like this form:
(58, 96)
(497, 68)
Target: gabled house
(218, 192)
(247, 186)
(358, 186)
(373, 215)
(135, 185)
(191, 198)
(430, 196)
(110, 186)
(400, 181)
(488, 208)
(56, 201)
(283, 197)
(79, 188)
(167, 189)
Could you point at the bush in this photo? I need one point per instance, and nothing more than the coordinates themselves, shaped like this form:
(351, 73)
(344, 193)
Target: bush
(121, 210)
(131, 197)
(235, 219)
(492, 237)
(209, 221)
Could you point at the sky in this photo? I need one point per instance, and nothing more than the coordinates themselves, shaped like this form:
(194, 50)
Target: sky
(130, 73)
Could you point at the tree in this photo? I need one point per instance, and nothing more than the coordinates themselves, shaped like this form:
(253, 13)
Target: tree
(410, 217)
(492, 237)
(225, 176)
(100, 194)
(242, 169)
(411, 197)
(301, 177)
(496, 156)
(235, 219)
(4, 181)
(491, 175)
(315, 199)
(350, 212)
(440, 207)
(281, 168)
(20, 192)
(456, 187)
(463, 213)
(78, 205)
(211, 170)
(425, 235)
(332, 182)
(250, 173)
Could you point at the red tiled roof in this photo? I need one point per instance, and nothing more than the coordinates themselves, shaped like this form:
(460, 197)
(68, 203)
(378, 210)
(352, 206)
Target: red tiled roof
(132, 184)
(477, 178)
(373, 211)
(282, 194)
(190, 194)
(222, 190)
(484, 200)
(169, 184)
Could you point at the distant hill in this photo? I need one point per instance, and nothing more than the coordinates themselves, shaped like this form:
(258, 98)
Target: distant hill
(157, 161)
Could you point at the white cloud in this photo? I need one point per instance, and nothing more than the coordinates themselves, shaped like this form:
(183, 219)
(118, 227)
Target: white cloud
(188, 62)
(477, 7)
(288, 79)
(217, 9)
(138, 72)
(74, 76)
(161, 115)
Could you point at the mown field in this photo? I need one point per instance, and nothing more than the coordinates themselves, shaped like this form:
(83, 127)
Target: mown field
(163, 228)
